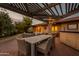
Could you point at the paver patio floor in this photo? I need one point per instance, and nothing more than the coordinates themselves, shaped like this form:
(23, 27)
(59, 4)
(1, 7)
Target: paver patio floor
(9, 47)
(59, 50)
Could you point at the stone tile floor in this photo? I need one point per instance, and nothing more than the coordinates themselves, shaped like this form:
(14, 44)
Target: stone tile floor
(59, 50)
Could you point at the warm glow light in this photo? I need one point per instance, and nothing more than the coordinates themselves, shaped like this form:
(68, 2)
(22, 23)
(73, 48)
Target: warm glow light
(39, 29)
(53, 29)
(56, 28)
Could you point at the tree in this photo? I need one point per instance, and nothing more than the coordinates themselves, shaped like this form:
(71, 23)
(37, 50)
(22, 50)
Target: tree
(20, 27)
(24, 25)
(27, 22)
(6, 26)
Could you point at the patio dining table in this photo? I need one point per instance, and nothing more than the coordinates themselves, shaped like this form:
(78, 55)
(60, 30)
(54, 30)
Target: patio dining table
(35, 39)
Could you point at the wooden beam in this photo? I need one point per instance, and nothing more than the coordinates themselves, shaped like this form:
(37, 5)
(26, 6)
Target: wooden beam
(41, 15)
(38, 5)
(75, 5)
(45, 12)
(66, 7)
(41, 8)
(71, 13)
(78, 5)
(50, 10)
(12, 8)
(72, 6)
(15, 9)
(56, 11)
(61, 8)
(35, 6)
(37, 17)
(26, 5)
(31, 6)
(49, 6)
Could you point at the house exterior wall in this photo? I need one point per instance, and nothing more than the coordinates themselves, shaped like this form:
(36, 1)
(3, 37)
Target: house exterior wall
(45, 28)
(39, 29)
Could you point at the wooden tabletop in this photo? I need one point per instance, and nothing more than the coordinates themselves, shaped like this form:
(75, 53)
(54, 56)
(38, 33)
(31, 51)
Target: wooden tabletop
(36, 39)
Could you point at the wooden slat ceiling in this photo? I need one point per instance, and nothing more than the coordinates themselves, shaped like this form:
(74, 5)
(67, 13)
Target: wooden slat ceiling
(43, 10)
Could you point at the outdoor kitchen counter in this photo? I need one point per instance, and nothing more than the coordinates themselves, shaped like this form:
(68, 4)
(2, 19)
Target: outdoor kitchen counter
(70, 38)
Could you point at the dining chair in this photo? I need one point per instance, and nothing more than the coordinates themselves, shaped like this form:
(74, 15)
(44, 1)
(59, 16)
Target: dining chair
(45, 46)
(53, 42)
(23, 47)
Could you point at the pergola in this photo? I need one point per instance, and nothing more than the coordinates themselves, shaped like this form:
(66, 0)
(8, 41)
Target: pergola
(41, 11)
